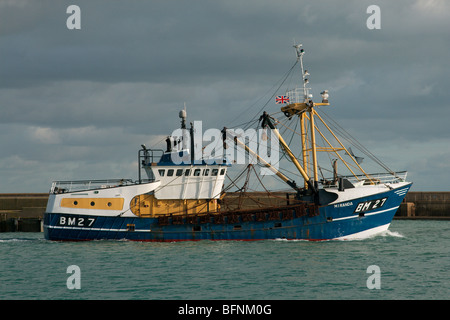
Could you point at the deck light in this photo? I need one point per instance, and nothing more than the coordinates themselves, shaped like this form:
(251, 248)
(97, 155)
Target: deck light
(325, 96)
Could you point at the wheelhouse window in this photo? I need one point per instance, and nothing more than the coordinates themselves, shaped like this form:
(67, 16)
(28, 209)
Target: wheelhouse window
(206, 172)
(179, 172)
(161, 172)
(222, 172)
(196, 172)
(187, 172)
(170, 172)
(214, 172)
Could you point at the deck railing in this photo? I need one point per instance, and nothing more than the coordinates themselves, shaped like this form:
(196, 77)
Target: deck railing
(81, 185)
(375, 178)
(379, 178)
(298, 95)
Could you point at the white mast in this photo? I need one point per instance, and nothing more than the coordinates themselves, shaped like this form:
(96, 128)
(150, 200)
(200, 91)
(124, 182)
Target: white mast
(300, 52)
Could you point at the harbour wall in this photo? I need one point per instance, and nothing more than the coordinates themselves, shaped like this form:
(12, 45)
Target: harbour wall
(425, 205)
(24, 211)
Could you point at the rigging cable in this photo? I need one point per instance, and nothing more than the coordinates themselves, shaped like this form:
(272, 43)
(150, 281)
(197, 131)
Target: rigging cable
(273, 95)
(347, 136)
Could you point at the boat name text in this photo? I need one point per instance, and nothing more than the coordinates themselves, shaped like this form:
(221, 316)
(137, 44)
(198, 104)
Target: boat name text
(370, 205)
(345, 204)
(75, 221)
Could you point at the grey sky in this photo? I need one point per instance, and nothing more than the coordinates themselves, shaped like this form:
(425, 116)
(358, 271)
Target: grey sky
(77, 104)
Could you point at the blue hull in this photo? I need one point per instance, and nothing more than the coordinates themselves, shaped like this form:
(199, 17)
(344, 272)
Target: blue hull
(334, 221)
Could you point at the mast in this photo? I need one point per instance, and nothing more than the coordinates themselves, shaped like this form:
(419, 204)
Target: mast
(268, 122)
(310, 104)
(304, 145)
(300, 53)
(313, 142)
(301, 104)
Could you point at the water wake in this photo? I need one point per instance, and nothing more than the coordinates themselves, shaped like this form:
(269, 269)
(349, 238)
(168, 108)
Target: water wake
(385, 233)
(14, 240)
(394, 234)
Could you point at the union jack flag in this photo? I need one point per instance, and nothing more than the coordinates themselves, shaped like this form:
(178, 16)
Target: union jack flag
(281, 99)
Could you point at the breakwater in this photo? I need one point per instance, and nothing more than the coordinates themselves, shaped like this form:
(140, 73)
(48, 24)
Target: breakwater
(425, 205)
(24, 211)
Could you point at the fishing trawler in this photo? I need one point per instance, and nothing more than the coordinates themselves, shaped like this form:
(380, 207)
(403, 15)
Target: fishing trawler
(183, 197)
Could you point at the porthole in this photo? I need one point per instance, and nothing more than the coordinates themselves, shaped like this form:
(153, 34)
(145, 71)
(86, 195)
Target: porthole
(75, 203)
(109, 204)
(92, 203)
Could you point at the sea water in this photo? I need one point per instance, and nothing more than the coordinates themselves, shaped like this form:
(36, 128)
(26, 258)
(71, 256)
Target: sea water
(412, 259)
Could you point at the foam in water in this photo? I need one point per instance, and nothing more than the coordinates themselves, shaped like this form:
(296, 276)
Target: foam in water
(394, 234)
(14, 240)
(19, 240)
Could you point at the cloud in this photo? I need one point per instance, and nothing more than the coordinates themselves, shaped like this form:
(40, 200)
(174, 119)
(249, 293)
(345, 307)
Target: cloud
(78, 103)
(44, 135)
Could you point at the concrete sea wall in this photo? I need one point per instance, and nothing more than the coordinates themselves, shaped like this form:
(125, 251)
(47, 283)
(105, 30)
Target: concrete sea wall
(24, 211)
(425, 205)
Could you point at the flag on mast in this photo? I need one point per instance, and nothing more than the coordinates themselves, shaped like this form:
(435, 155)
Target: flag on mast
(281, 99)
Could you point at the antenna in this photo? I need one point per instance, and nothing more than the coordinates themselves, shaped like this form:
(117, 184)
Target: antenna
(300, 52)
(183, 116)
